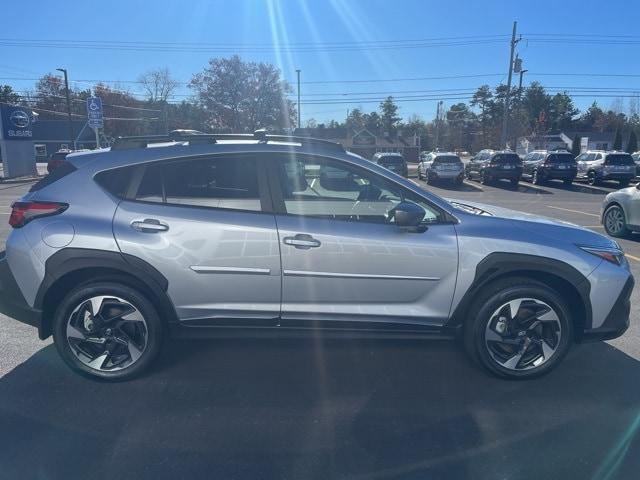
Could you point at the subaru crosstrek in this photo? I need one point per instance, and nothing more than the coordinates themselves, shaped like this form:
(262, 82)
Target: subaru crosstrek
(255, 234)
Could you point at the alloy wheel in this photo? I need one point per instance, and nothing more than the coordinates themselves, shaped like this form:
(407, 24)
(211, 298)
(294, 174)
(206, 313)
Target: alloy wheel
(107, 333)
(614, 221)
(523, 334)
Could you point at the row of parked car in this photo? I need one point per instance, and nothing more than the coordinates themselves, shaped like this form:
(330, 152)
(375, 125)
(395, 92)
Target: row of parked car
(538, 167)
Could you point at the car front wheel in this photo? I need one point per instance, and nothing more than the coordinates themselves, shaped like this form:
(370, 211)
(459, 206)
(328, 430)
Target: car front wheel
(614, 221)
(519, 328)
(107, 330)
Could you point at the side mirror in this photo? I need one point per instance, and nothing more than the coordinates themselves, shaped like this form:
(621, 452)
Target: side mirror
(408, 215)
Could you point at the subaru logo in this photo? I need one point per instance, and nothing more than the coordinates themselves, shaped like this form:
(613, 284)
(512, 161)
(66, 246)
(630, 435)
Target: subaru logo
(19, 119)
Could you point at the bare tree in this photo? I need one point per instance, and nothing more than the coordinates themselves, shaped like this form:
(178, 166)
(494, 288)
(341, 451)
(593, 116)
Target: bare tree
(158, 84)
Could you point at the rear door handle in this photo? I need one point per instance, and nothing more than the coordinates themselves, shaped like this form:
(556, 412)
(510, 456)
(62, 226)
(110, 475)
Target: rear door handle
(149, 225)
(302, 241)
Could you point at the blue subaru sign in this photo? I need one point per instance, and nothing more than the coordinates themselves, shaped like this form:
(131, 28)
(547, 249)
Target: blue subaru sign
(94, 112)
(16, 123)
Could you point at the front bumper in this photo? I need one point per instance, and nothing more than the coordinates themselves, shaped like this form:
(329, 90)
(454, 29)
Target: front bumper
(12, 302)
(617, 321)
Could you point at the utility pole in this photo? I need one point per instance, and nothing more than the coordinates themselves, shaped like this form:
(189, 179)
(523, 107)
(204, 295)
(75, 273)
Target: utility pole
(66, 86)
(299, 115)
(437, 125)
(505, 116)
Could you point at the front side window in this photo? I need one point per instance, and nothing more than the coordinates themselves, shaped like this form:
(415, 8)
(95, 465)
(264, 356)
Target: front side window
(219, 182)
(323, 188)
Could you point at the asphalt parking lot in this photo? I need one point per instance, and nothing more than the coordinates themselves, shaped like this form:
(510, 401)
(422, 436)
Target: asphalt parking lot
(329, 409)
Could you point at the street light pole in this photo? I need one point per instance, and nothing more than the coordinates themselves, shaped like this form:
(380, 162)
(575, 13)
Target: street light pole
(66, 86)
(299, 114)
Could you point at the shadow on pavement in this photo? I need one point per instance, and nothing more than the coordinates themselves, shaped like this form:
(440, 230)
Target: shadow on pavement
(314, 409)
(578, 187)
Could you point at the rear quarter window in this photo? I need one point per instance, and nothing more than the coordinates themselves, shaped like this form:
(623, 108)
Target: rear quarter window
(115, 181)
(619, 159)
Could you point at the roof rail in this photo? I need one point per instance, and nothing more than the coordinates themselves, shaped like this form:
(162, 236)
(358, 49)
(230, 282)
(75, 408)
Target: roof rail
(194, 136)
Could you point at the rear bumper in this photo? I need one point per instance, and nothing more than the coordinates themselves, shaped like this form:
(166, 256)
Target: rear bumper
(560, 174)
(618, 176)
(445, 174)
(617, 321)
(12, 302)
(500, 173)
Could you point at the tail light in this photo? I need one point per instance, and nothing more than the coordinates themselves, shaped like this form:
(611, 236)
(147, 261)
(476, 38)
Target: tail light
(23, 212)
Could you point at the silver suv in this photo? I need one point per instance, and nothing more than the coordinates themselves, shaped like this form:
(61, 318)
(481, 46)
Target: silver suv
(436, 166)
(597, 166)
(194, 235)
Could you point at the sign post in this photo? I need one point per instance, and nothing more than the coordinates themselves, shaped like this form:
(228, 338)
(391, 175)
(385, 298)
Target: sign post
(94, 116)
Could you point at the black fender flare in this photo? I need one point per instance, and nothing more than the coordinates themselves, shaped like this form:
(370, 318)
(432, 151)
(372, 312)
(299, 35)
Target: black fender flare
(500, 264)
(69, 260)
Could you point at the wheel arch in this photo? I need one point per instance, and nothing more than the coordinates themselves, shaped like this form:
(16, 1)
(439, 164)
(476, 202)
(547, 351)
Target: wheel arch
(557, 274)
(70, 267)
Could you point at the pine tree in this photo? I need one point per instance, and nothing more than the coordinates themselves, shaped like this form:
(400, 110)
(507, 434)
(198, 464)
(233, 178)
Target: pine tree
(617, 140)
(575, 147)
(632, 146)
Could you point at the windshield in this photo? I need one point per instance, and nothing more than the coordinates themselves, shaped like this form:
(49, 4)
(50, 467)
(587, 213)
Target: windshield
(619, 159)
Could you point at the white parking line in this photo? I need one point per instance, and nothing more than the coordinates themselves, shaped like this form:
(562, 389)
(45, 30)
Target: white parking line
(573, 211)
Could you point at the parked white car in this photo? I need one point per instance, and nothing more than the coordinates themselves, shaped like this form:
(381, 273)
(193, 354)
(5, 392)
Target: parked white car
(620, 211)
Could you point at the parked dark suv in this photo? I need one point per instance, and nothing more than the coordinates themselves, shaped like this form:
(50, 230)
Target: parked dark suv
(489, 165)
(542, 165)
(392, 161)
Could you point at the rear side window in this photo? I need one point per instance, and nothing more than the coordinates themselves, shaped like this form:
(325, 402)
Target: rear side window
(229, 183)
(619, 159)
(63, 170)
(115, 181)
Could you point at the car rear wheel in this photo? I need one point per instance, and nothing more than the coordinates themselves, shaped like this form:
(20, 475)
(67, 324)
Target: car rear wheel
(520, 329)
(107, 330)
(514, 182)
(592, 179)
(484, 178)
(614, 221)
(567, 181)
(536, 178)
(623, 183)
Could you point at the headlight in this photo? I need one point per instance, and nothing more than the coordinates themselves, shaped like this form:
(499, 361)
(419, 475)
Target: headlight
(612, 255)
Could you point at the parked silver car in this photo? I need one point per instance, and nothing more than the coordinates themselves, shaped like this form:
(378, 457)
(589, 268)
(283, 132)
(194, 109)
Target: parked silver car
(597, 166)
(198, 235)
(620, 212)
(441, 166)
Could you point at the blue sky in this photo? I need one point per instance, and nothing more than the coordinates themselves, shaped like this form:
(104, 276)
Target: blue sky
(263, 23)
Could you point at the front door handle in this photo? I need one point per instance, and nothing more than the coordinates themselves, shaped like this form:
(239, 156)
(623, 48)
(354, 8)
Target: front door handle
(302, 241)
(149, 225)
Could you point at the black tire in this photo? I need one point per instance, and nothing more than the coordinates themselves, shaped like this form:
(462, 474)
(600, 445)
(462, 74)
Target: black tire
(484, 178)
(615, 221)
(624, 183)
(458, 181)
(491, 298)
(568, 182)
(154, 328)
(592, 178)
(419, 174)
(515, 182)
